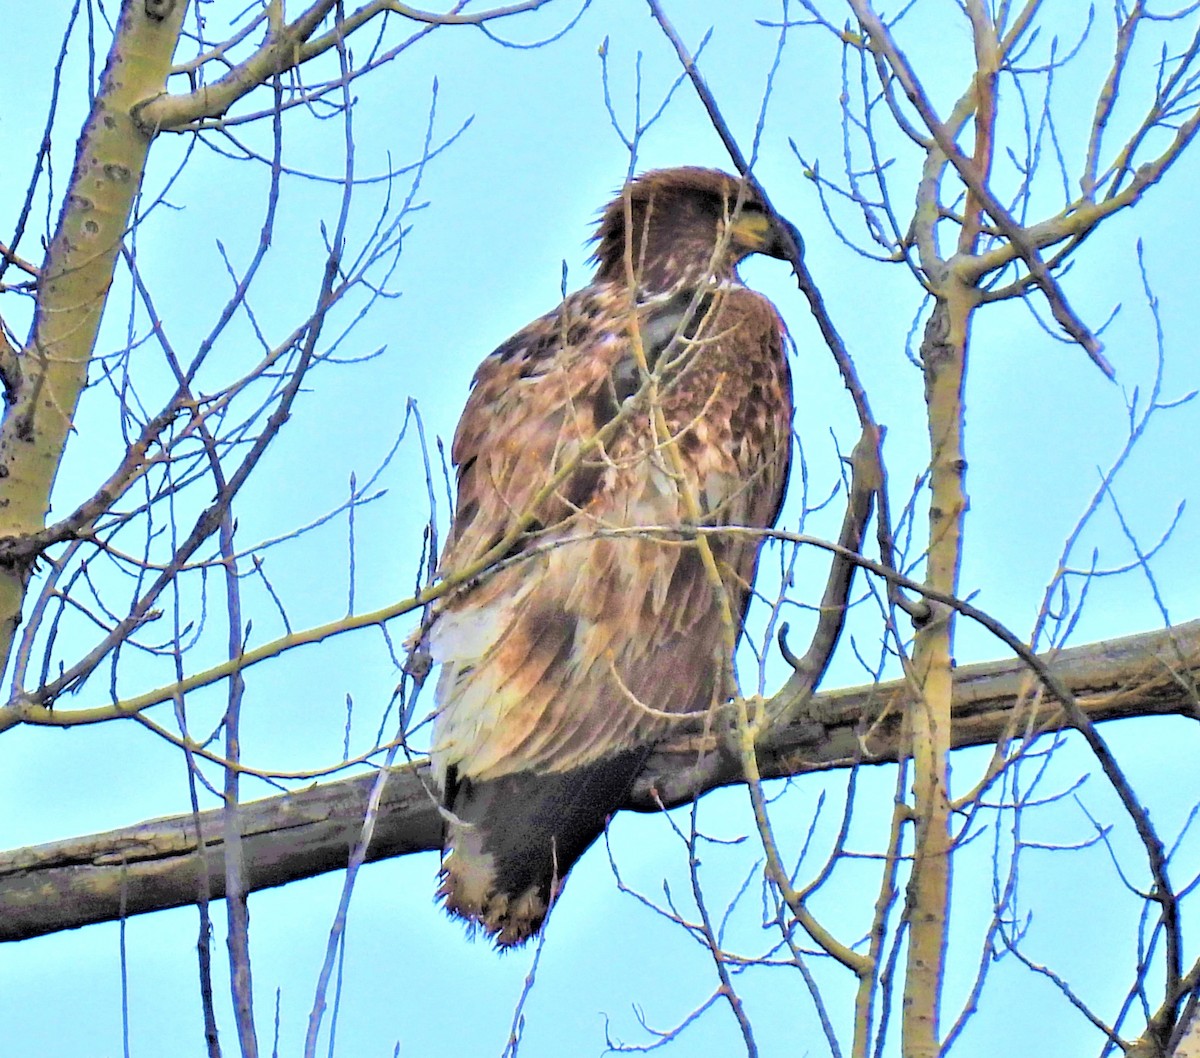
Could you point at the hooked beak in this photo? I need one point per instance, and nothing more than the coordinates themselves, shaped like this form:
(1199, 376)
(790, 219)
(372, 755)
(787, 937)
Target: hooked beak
(756, 232)
(786, 243)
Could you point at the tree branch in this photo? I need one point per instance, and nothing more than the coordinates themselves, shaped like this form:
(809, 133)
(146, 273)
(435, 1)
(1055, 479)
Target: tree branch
(881, 42)
(79, 881)
(289, 47)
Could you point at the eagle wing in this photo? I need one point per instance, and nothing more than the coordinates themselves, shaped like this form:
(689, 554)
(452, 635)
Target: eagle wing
(534, 402)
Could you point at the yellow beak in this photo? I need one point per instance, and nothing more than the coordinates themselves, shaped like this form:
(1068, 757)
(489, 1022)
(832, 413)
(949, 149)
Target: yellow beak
(751, 230)
(755, 232)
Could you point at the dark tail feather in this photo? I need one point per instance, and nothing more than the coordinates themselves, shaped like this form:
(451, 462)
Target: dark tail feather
(519, 835)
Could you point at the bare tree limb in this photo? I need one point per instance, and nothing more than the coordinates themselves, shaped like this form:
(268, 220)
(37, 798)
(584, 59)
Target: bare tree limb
(880, 41)
(287, 47)
(79, 881)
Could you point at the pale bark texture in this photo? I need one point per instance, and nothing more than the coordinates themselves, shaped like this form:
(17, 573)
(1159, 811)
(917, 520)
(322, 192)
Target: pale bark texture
(52, 368)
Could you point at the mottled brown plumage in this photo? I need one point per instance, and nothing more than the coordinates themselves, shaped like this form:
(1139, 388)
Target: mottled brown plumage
(560, 669)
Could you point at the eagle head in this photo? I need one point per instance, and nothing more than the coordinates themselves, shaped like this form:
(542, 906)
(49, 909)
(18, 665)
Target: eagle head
(688, 222)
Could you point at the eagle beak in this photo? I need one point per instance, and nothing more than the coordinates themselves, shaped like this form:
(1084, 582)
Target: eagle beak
(757, 232)
(786, 243)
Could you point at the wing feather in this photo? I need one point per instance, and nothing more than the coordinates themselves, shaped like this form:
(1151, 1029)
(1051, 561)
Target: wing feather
(533, 402)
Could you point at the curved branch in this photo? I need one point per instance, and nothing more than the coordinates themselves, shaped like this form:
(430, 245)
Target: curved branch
(288, 48)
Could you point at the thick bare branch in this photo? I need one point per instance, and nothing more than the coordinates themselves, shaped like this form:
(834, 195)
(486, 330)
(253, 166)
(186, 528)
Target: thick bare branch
(155, 865)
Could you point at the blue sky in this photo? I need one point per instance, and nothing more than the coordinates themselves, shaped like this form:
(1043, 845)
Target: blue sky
(503, 210)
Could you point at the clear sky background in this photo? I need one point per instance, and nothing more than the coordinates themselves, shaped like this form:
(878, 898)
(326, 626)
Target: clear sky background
(503, 210)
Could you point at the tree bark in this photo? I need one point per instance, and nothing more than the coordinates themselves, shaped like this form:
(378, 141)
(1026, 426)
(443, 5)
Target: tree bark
(157, 865)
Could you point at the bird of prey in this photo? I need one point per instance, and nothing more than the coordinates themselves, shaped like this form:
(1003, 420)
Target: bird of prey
(657, 397)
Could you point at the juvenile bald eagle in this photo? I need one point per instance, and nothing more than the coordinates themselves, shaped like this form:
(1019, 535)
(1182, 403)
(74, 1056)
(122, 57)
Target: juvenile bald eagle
(658, 395)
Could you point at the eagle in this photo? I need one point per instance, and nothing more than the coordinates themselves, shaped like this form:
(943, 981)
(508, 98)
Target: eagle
(656, 398)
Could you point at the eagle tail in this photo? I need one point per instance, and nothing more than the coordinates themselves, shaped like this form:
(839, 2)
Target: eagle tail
(515, 837)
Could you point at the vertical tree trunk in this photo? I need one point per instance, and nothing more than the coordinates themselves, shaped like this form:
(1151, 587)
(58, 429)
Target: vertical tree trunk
(944, 353)
(51, 370)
